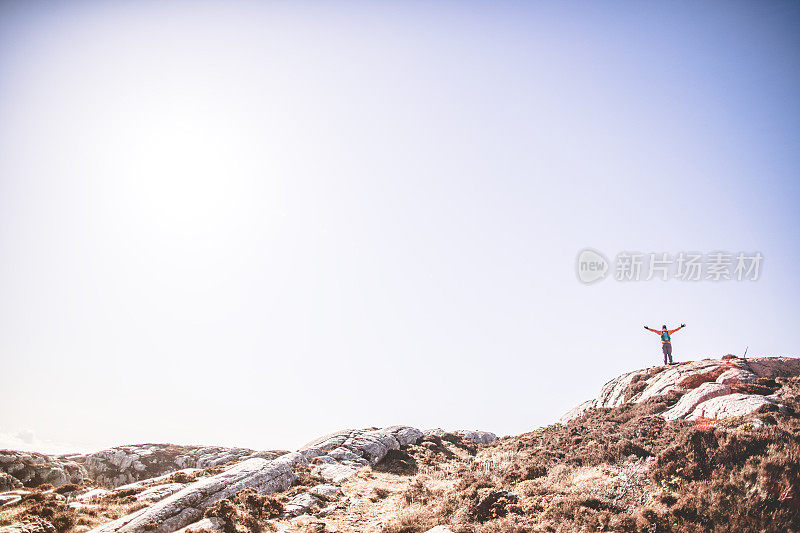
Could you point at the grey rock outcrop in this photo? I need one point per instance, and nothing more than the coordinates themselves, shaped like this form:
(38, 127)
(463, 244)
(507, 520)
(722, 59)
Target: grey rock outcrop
(116, 466)
(8, 482)
(127, 464)
(159, 492)
(206, 524)
(10, 498)
(178, 500)
(301, 504)
(689, 401)
(731, 405)
(187, 505)
(480, 437)
(339, 455)
(326, 491)
(31, 469)
(92, 494)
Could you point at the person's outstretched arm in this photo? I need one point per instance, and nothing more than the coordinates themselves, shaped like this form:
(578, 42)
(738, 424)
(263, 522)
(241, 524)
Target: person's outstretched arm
(653, 330)
(677, 329)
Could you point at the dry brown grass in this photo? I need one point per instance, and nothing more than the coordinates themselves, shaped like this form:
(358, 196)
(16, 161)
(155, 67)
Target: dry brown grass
(50, 507)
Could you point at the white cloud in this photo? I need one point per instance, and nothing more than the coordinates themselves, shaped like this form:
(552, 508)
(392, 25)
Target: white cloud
(27, 440)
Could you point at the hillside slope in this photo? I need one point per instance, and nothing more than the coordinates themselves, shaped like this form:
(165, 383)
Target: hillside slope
(658, 450)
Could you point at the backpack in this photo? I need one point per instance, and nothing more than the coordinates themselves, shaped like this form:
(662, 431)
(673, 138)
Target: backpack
(665, 336)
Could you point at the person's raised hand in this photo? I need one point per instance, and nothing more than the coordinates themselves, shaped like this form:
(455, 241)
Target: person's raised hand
(683, 325)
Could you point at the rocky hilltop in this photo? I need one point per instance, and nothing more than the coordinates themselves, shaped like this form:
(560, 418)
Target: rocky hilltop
(711, 445)
(709, 388)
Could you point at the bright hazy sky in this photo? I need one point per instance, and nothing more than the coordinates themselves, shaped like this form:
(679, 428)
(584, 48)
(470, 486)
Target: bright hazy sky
(253, 223)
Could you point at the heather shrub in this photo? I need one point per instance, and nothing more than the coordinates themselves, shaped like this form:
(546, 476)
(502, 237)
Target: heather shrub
(245, 511)
(733, 479)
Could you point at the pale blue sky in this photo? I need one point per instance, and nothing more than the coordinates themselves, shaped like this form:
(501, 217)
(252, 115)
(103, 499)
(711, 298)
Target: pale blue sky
(252, 223)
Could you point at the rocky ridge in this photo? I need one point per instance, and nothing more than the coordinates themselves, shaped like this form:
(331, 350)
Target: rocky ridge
(116, 466)
(178, 499)
(663, 448)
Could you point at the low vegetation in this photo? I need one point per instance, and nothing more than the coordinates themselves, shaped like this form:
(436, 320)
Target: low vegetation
(625, 469)
(618, 469)
(246, 512)
(58, 509)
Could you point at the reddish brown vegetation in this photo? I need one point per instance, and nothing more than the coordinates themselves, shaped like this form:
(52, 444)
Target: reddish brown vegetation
(693, 381)
(45, 508)
(245, 511)
(182, 477)
(733, 475)
(429, 452)
(639, 382)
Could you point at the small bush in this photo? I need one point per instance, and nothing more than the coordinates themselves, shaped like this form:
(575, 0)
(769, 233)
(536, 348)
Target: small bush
(63, 521)
(181, 477)
(397, 462)
(69, 487)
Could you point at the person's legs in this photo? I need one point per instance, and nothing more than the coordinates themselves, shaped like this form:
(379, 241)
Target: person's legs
(667, 352)
(664, 349)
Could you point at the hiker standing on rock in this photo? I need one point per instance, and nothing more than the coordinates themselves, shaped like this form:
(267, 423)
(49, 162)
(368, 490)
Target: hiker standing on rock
(666, 344)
